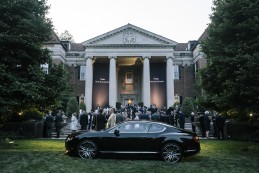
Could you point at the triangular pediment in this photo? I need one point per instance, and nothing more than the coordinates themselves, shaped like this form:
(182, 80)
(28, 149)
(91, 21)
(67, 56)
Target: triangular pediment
(129, 36)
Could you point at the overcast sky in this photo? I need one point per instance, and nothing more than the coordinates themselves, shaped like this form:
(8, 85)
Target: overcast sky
(178, 20)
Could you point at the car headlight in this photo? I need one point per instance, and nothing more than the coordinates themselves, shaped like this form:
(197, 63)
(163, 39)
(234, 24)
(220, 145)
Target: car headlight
(196, 138)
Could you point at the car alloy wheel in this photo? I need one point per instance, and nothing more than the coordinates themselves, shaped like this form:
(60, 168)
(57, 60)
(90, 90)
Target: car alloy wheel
(87, 149)
(171, 153)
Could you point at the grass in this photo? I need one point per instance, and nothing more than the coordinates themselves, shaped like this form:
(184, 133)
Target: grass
(48, 156)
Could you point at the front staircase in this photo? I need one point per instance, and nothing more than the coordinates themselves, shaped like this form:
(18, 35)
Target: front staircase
(63, 132)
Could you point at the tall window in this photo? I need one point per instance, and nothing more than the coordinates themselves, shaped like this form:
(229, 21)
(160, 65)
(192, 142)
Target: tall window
(129, 78)
(176, 72)
(82, 72)
(45, 68)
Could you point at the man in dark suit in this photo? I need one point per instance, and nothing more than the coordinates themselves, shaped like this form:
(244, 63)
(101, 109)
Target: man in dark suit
(49, 121)
(192, 121)
(181, 119)
(220, 124)
(155, 116)
(83, 120)
(151, 109)
(100, 121)
(90, 123)
(170, 114)
(58, 121)
(145, 116)
(202, 126)
(134, 110)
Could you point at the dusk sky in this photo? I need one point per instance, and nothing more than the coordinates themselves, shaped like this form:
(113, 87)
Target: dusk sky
(178, 20)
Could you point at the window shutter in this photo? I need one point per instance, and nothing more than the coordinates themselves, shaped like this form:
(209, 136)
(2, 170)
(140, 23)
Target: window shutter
(78, 72)
(180, 72)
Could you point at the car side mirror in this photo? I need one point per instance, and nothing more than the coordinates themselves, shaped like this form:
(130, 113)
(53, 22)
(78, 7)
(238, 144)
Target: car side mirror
(117, 132)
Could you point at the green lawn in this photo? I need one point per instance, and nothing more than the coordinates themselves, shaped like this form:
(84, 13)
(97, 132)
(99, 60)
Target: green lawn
(48, 156)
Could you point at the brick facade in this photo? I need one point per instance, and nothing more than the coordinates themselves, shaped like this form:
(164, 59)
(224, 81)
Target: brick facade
(187, 55)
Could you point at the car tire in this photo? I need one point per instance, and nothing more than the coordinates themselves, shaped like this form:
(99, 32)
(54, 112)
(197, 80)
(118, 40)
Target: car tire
(171, 153)
(87, 149)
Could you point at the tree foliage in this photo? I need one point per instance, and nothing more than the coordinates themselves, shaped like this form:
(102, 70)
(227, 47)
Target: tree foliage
(82, 106)
(66, 36)
(55, 88)
(231, 78)
(24, 28)
(188, 106)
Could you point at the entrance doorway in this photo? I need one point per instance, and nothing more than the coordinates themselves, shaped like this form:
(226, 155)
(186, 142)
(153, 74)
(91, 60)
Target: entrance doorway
(129, 101)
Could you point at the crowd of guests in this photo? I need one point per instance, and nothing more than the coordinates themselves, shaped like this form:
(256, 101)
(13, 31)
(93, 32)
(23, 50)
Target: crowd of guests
(218, 122)
(102, 118)
(49, 120)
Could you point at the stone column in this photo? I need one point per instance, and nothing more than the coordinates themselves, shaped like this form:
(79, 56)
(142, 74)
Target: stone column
(89, 83)
(112, 82)
(170, 81)
(146, 82)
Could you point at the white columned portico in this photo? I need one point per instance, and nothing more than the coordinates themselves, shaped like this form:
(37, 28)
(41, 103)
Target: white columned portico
(146, 81)
(170, 81)
(89, 82)
(112, 82)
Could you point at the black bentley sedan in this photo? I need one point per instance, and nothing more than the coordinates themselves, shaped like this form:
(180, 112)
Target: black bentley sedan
(135, 137)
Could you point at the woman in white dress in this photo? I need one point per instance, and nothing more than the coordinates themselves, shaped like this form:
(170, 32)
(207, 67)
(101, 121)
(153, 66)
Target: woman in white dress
(111, 120)
(73, 124)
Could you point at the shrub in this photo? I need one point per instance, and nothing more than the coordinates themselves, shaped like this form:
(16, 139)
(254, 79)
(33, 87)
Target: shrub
(187, 106)
(72, 106)
(82, 106)
(32, 113)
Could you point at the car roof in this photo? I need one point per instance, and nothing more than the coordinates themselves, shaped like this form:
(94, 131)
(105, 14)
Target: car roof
(147, 122)
(152, 122)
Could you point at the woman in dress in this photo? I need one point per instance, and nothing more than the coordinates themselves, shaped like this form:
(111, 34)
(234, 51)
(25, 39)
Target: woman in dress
(73, 124)
(207, 123)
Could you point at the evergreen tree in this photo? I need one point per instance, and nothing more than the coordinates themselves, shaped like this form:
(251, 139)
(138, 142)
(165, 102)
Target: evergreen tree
(72, 106)
(187, 106)
(231, 78)
(66, 36)
(55, 88)
(24, 28)
(82, 106)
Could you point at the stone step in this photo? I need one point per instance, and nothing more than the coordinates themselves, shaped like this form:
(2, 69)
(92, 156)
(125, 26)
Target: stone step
(188, 126)
(63, 132)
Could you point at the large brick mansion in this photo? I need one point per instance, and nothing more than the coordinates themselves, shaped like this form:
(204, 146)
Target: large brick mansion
(130, 65)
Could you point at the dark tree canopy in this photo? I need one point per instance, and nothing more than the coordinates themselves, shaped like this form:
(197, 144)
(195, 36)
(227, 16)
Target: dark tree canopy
(231, 78)
(24, 28)
(66, 36)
